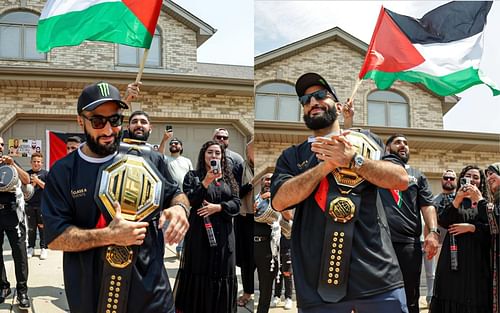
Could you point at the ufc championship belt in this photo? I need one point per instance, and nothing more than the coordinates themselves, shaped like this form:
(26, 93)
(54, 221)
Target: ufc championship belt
(136, 184)
(28, 191)
(8, 178)
(343, 198)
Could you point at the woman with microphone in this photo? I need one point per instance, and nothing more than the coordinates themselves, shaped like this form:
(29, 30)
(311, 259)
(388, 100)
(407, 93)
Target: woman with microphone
(462, 281)
(206, 280)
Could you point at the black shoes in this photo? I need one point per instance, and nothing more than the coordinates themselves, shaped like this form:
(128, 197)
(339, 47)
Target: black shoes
(22, 298)
(24, 301)
(4, 293)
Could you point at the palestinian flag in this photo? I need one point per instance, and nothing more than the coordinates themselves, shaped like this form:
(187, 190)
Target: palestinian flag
(70, 22)
(56, 145)
(442, 50)
(398, 196)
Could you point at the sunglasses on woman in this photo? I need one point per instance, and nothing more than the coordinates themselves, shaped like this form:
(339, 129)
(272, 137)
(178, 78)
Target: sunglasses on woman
(98, 121)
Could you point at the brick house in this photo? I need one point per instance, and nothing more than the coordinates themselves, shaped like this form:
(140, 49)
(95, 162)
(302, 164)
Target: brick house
(39, 91)
(405, 108)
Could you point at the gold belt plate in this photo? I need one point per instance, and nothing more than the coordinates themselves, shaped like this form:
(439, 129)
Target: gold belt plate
(134, 184)
(342, 209)
(365, 146)
(119, 256)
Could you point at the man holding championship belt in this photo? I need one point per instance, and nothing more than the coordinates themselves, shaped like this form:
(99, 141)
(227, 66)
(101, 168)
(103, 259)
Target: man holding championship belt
(113, 247)
(342, 256)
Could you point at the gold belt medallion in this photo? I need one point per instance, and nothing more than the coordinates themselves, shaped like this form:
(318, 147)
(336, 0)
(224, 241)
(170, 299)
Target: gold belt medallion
(342, 209)
(135, 184)
(119, 256)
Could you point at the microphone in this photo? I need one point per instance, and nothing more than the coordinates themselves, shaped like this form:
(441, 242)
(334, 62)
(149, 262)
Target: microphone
(210, 231)
(453, 253)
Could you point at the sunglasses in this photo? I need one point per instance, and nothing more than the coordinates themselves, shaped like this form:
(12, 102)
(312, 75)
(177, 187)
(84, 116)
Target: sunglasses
(449, 178)
(175, 143)
(222, 137)
(98, 122)
(2, 144)
(318, 95)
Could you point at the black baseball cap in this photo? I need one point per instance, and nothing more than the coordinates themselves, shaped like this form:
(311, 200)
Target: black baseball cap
(310, 79)
(96, 94)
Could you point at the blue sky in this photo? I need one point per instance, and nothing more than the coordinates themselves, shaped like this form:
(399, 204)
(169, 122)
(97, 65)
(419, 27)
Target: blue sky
(246, 28)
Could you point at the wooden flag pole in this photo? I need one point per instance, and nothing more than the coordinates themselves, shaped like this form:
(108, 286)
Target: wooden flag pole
(141, 67)
(348, 109)
(356, 86)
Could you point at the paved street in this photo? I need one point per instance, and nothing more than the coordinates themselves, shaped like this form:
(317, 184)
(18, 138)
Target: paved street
(46, 288)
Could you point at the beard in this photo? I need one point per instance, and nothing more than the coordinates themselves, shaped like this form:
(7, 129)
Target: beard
(174, 149)
(323, 121)
(448, 187)
(144, 136)
(102, 150)
(403, 158)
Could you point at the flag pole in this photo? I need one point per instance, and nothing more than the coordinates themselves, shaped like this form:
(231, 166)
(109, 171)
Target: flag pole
(356, 86)
(141, 67)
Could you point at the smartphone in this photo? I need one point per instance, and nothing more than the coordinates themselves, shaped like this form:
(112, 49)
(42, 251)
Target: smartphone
(168, 128)
(215, 165)
(464, 181)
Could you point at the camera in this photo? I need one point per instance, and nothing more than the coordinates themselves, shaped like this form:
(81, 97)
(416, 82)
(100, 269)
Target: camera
(464, 181)
(168, 128)
(215, 166)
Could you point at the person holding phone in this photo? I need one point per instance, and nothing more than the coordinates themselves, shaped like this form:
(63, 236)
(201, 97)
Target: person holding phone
(178, 166)
(206, 280)
(463, 285)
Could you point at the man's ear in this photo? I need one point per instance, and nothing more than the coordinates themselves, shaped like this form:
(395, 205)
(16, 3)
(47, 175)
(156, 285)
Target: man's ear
(79, 120)
(338, 106)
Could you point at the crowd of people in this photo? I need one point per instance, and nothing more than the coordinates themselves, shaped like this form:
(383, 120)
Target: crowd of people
(364, 221)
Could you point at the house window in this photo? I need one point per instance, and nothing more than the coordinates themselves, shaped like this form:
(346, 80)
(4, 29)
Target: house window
(387, 108)
(277, 101)
(131, 56)
(18, 36)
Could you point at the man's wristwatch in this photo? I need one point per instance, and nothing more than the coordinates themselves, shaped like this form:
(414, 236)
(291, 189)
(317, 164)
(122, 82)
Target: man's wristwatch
(357, 160)
(182, 205)
(434, 230)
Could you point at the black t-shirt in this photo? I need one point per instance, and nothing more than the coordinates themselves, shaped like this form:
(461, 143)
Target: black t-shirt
(373, 269)
(404, 218)
(36, 200)
(68, 199)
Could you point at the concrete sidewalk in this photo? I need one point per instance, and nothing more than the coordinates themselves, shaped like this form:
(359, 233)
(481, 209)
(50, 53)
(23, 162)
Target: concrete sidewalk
(46, 287)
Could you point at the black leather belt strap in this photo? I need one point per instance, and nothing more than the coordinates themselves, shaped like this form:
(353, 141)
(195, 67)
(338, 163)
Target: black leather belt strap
(116, 277)
(337, 244)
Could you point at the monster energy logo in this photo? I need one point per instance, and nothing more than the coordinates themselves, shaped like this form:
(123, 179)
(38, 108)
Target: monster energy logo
(104, 89)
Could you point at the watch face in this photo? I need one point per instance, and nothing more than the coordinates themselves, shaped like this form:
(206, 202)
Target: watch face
(359, 160)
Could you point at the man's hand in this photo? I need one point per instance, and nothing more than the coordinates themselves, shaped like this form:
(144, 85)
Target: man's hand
(132, 91)
(6, 159)
(348, 113)
(126, 233)
(431, 244)
(167, 135)
(178, 224)
(265, 195)
(335, 151)
(35, 180)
